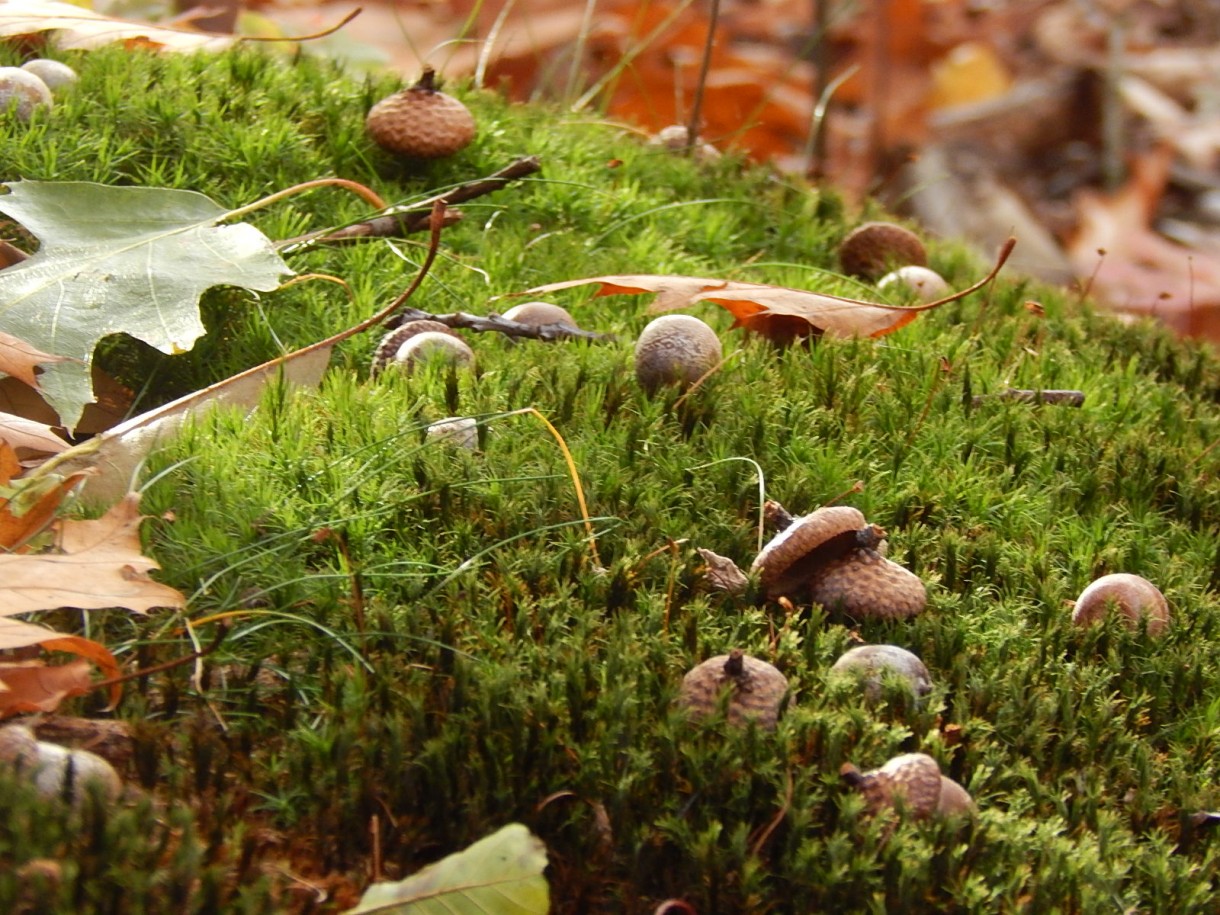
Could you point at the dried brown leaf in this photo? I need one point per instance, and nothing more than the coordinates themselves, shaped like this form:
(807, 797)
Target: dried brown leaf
(18, 358)
(76, 27)
(35, 687)
(99, 565)
(778, 312)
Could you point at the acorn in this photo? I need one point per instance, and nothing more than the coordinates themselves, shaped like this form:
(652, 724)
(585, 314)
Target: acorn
(390, 349)
(1137, 601)
(871, 665)
(421, 122)
(875, 248)
(834, 556)
(913, 782)
(756, 689)
(675, 349)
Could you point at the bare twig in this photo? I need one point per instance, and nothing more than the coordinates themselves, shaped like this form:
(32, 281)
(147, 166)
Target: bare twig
(1067, 398)
(418, 216)
(499, 324)
(694, 128)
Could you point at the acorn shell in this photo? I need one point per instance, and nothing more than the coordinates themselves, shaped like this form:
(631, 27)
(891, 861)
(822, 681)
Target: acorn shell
(757, 689)
(869, 664)
(865, 585)
(421, 122)
(1133, 596)
(675, 349)
(539, 313)
(875, 248)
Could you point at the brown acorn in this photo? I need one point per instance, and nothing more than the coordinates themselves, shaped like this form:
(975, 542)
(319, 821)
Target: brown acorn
(875, 248)
(912, 781)
(833, 555)
(421, 122)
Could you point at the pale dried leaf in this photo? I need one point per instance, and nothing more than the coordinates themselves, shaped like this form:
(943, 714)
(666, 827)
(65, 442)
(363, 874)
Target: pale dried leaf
(115, 456)
(76, 27)
(100, 566)
(29, 435)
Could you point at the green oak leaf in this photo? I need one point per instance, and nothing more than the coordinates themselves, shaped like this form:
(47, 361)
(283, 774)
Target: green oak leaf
(113, 260)
(500, 873)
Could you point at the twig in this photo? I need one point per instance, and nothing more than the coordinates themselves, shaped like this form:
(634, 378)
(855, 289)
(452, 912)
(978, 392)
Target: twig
(417, 217)
(1067, 398)
(500, 324)
(693, 127)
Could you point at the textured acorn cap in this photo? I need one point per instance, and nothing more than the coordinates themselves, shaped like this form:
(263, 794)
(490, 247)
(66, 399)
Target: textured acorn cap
(877, 247)
(912, 780)
(1135, 597)
(757, 689)
(798, 551)
(391, 343)
(869, 664)
(421, 122)
(539, 313)
(675, 349)
(865, 585)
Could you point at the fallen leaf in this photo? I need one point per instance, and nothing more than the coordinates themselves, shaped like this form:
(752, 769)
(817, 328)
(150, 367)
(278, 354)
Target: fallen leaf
(35, 687)
(500, 873)
(114, 457)
(99, 565)
(28, 505)
(21, 433)
(18, 358)
(120, 259)
(77, 27)
(777, 312)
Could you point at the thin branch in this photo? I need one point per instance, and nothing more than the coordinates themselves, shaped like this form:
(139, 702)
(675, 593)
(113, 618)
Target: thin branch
(485, 323)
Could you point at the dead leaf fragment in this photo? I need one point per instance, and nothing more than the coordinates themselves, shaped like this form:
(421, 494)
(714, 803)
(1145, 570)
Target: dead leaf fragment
(99, 565)
(722, 574)
(18, 358)
(77, 27)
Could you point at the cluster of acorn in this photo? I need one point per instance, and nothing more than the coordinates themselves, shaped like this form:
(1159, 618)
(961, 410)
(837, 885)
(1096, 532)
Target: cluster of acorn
(25, 89)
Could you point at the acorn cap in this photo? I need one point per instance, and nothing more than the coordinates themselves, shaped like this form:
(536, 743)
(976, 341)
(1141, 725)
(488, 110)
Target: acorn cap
(1135, 597)
(865, 585)
(871, 250)
(809, 542)
(869, 664)
(757, 689)
(421, 122)
(912, 780)
(392, 342)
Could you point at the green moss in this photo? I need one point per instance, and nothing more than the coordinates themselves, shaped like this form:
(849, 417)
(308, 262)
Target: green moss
(424, 637)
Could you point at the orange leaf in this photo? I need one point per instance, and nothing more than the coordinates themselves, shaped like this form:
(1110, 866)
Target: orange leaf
(778, 312)
(16, 634)
(19, 524)
(34, 687)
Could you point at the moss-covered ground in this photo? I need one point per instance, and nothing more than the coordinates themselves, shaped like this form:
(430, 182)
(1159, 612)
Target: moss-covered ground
(421, 644)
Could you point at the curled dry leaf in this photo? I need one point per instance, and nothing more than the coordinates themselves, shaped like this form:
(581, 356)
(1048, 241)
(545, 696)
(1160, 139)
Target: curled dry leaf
(778, 312)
